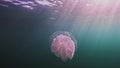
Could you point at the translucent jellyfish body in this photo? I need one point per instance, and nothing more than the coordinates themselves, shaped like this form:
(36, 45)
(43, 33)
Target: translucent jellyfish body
(63, 45)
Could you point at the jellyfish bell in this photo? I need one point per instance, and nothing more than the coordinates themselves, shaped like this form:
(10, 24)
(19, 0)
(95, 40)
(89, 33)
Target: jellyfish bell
(63, 45)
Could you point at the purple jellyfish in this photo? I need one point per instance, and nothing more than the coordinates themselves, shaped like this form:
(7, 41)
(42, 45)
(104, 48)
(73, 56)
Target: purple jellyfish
(63, 45)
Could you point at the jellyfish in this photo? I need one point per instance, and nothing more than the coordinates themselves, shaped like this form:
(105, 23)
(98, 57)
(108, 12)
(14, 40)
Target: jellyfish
(63, 45)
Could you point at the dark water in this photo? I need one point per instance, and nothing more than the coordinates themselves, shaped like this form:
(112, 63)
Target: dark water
(25, 40)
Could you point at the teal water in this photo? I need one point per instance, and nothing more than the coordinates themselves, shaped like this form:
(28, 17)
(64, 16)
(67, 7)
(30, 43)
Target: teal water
(25, 42)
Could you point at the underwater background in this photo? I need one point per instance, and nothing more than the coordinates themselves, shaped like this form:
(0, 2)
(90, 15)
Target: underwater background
(25, 38)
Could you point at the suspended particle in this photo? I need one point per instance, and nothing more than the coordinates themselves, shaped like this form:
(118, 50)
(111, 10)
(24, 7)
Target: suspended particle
(63, 45)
